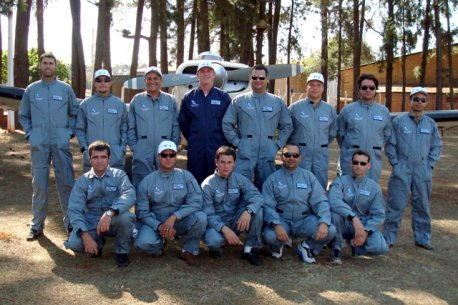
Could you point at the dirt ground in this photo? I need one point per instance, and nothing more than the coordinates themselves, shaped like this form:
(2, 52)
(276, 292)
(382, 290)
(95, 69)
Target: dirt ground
(43, 272)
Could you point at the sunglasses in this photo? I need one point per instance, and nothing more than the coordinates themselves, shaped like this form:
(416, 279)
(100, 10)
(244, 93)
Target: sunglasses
(289, 155)
(362, 163)
(256, 77)
(371, 88)
(419, 99)
(103, 80)
(170, 155)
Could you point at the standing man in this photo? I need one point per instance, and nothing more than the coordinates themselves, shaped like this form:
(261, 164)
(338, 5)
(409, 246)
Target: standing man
(48, 114)
(315, 126)
(358, 211)
(202, 110)
(99, 206)
(233, 205)
(250, 124)
(296, 206)
(413, 150)
(103, 116)
(169, 205)
(364, 125)
(153, 118)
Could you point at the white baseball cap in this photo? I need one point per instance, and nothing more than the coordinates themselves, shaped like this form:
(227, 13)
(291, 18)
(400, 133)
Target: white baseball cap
(153, 69)
(102, 72)
(166, 144)
(204, 64)
(315, 76)
(418, 90)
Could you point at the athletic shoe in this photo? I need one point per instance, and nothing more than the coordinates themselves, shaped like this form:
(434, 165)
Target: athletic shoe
(336, 258)
(34, 234)
(305, 253)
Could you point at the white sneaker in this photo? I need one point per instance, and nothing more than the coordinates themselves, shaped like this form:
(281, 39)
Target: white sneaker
(279, 253)
(305, 253)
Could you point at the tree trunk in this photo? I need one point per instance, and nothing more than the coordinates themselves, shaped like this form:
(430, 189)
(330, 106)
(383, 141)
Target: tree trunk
(339, 55)
(203, 27)
(403, 59)
(163, 33)
(153, 33)
(389, 45)
(449, 55)
(192, 33)
(1, 52)
(41, 39)
(324, 42)
(78, 63)
(260, 30)
(424, 54)
(136, 48)
(107, 42)
(100, 39)
(21, 57)
(438, 34)
(288, 59)
(356, 46)
(274, 18)
(180, 32)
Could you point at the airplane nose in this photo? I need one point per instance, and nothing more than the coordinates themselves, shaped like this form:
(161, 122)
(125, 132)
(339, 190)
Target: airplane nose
(221, 76)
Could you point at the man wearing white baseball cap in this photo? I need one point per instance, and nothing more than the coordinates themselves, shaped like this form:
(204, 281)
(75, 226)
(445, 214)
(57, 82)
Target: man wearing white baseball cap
(169, 204)
(315, 127)
(103, 116)
(413, 150)
(201, 114)
(153, 118)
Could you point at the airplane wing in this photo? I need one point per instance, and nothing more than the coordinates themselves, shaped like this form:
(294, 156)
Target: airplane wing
(169, 80)
(275, 71)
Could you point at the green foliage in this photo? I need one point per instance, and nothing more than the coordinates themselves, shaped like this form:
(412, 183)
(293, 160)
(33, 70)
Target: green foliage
(63, 70)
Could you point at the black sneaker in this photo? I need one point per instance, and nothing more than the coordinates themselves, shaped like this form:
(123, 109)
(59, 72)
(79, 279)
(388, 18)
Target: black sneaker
(216, 254)
(336, 258)
(426, 246)
(34, 234)
(122, 259)
(252, 258)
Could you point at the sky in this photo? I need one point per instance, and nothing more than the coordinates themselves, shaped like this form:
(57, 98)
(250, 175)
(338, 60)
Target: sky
(58, 28)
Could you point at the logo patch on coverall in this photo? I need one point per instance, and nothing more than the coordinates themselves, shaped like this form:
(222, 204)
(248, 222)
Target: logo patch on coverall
(215, 102)
(112, 110)
(267, 109)
(233, 191)
(364, 192)
(164, 107)
(425, 130)
(378, 118)
(144, 107)
(301, 185)
(323, 119)
(178, 186)
(94, 111)
(57, 97)
(109, 188)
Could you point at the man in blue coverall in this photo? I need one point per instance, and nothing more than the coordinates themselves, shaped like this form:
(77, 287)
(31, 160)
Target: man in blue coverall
(169, 204)
(296, 206)
(358, 211)
(233, 205)
(413, 150)
(99, 206)
(48, 114)
(202, 110)
(153, 118)
(315, 127)
(250, 124)
(364, 125)
(103, 116)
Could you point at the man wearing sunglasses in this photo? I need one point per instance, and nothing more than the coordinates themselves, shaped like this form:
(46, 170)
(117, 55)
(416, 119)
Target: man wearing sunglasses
(153, 118)
(358, 211)
(413, 150)
(250, 124)
(315, 127)
(364, 125)
(296, 206)
(233, 206)
(99, 207)
(169, 204)
(103, 116)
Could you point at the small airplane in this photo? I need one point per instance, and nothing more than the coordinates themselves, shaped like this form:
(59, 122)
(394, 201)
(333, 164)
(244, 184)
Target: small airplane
(230, 77)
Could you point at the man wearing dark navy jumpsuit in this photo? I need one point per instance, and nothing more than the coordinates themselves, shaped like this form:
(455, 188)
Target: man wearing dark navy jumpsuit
(201, 114)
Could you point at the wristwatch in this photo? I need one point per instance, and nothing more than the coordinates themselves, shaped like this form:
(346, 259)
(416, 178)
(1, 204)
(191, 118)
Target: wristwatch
(250, 211)
(110, 213)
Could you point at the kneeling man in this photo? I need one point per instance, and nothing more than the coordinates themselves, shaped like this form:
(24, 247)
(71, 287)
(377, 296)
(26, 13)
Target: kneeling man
(169, 205)
(296, 206)
(358, 210)
(233, 206)
(99, 206)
